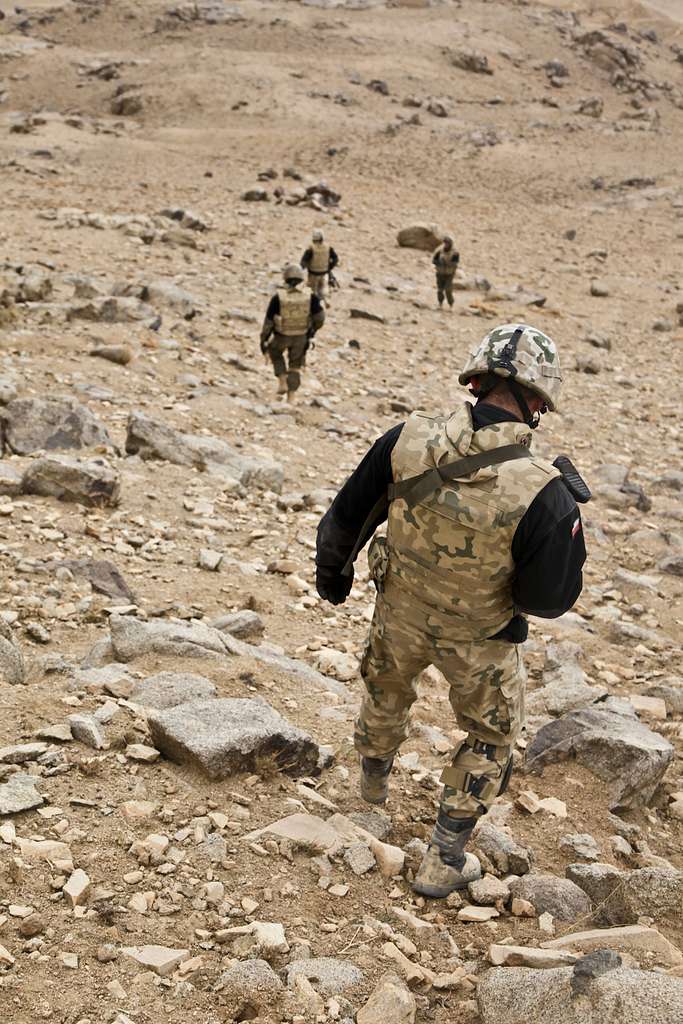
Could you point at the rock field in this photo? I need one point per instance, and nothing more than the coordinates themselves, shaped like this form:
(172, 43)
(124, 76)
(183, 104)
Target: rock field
(181, 835)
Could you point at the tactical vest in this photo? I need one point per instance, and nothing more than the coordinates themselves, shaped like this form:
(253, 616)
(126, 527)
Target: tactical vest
(450, 555)
(445, 263)
(320, 258)
(295, 312)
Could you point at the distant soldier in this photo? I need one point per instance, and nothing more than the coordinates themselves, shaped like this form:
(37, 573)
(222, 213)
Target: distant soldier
(445, 261)
(319, 260)
(292, 319)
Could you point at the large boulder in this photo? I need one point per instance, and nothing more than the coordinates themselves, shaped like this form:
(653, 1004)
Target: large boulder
(622, 897)
(169, 689)
(551, 895)
(582, 994)
(91, 482)
(153, 440)
(619, 749)
(134, 638)
(222, 737)
(47, 424)
(425, 237)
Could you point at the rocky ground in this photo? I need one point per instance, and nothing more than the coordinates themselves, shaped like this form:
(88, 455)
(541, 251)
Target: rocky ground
(181, 834)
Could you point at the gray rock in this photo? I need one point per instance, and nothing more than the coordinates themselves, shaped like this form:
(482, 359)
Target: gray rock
(565, 687)
(549, 894)
(580, 844)
(10, 481)
(469, 60)
(291, 666)
(621, 751)
(91, 482)
(241, 624)
(248, 987)
(672, 564)
(522, 995)
(391, 1002)
(598, 881)
(378, 825)
(593, 966)
(133, 638)
(86, 729)
(226, 736)
(121, 355)
(19, 794)
(671, 692)
(20, 753)
(46, 424)
(506, 855)
(165, 293)
(113, 309)
(169, 689)
(12, 668)
(360, 858)
(328, 976)
(103, 577)
(153, 440)
(425, 237)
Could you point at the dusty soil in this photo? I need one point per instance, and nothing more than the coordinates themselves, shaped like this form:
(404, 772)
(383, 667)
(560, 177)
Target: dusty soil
(537, 195)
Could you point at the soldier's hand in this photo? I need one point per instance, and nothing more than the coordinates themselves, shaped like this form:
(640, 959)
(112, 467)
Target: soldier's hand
(332, 586)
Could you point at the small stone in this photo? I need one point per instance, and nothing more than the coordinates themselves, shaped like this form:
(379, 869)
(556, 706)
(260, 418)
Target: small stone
(545, 923)
(55, 853)
(210, 560)
(580, 844)
(160, 959)
(107, 953)
(489, 891)
(19, 794)
(522, 908)
(69, 960)
(391, 1002)
(552, 805)
(526, 956)
(143, 753)
(77, 888)
(477, 914)
(31, 926)
(6, 957)
(86, 729)
(599, 289)
(135, 811)
(359, 858)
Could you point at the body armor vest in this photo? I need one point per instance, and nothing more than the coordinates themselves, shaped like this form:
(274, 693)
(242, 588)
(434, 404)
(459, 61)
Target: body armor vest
(320, 258)
(446, 260)
(295, 312)
(450, 555)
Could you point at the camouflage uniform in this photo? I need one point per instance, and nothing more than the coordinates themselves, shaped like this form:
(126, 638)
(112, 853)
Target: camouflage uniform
(445, 262)
(318, 268)
(444, 575)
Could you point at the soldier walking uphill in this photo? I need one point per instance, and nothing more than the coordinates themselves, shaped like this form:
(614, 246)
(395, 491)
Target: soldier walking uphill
(445, 260)
(319, 260)
(292, 319)
(480, 531)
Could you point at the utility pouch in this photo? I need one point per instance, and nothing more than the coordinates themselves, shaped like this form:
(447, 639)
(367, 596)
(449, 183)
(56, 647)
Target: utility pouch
(573, 480)
(378, 561)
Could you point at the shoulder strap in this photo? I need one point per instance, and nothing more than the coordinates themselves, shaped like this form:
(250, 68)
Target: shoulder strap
(416, 488)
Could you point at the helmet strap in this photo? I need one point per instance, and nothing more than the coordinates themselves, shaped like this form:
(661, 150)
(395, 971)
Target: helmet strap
(532, 419)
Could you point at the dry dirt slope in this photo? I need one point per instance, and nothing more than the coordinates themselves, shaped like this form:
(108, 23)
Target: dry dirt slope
(546, 200)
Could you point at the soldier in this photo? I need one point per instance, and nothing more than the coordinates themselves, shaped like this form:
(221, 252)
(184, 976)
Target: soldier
(292, 319)
(480, 531)
(319, 260)
(445, 260)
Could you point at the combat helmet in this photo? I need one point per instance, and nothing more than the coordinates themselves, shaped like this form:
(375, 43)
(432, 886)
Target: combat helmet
(317, 235)
(293, 272)
(520, 354)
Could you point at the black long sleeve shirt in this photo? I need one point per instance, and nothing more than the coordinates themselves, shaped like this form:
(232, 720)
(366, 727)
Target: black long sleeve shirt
(548, 547)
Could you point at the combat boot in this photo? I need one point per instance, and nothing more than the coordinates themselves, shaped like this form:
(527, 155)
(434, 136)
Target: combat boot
(282, 384)
(446, 867)
(374, 779)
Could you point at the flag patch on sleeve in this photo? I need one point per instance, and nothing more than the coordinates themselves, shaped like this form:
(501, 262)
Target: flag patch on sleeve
(576, 526)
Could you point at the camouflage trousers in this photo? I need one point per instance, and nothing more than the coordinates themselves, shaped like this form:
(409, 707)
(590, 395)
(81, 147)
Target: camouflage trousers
(486, 681)
(318, 284)
(444, 287)
(294, 348)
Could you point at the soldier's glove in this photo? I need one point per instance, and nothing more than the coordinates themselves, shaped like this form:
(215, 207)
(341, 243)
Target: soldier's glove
(332, 586)
(265, 344)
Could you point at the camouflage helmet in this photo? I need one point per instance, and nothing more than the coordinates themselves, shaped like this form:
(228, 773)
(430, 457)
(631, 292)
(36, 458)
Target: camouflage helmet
(520, 352)
(317, 235)
(447, 240)
(293, 272)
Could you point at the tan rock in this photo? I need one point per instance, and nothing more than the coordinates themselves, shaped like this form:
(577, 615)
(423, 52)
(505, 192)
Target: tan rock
(77, 888)
(305, 830)
(477, 914)
(553, 806)
(649, 707)
(527, 956)
(135, 811)
(634, 938)
(160, 959)
(56, 854)
(141, 752)
(522, 908)
(414, 974)
(528, 801)
(391, 1002)
(6, 957)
